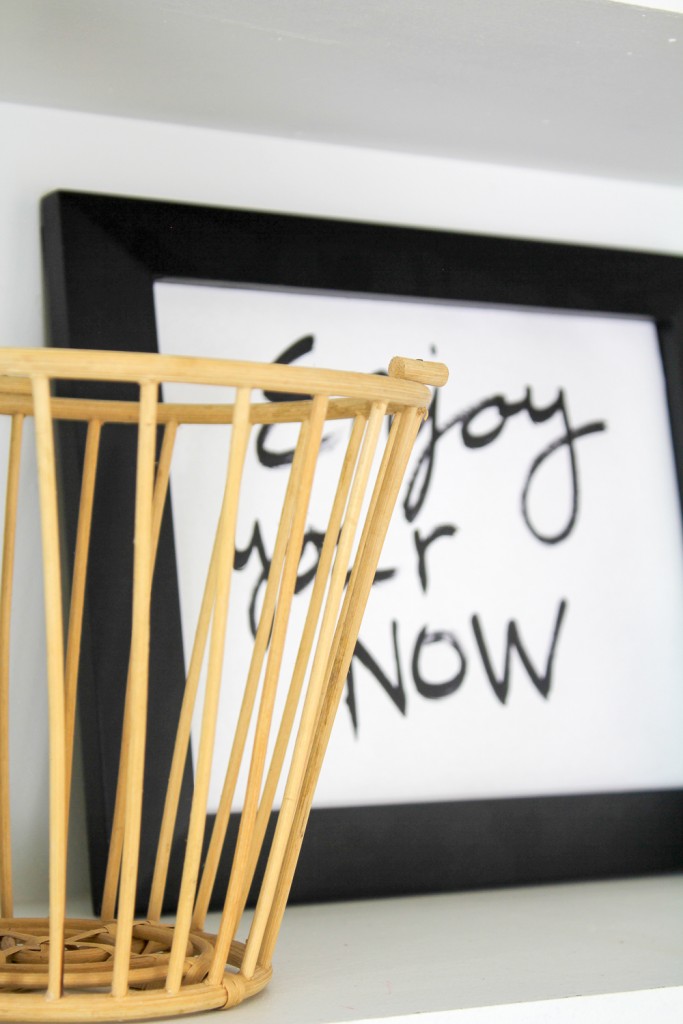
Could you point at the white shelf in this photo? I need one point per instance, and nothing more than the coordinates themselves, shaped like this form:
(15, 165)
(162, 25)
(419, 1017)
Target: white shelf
(591, 952)
(583, 953)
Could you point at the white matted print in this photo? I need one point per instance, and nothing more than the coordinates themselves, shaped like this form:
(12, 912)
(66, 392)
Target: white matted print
(524, 634)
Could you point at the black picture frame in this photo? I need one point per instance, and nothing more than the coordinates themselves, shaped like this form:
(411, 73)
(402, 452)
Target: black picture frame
(102, 255)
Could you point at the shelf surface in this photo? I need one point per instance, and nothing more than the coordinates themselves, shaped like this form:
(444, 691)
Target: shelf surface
(580, 953)
(598, 951)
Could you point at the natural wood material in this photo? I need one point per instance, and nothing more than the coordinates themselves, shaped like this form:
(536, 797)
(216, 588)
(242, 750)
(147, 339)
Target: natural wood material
(118, 967)
(11, 498)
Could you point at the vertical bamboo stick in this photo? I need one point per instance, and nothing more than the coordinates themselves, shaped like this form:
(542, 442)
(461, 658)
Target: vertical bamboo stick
(111, 881)
(261, 641)
(163, 475)
(305, 647)
(226, 558)
(73, 645)
(181, 744)
(405, 428)
(55, 677)
(139, 673)
(231, 908)
(8, 547)
(313, 696)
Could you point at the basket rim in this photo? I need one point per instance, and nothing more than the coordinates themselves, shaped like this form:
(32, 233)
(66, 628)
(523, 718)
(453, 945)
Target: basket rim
(140, 367)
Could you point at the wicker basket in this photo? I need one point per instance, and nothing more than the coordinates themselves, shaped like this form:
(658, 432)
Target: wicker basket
(119, 966)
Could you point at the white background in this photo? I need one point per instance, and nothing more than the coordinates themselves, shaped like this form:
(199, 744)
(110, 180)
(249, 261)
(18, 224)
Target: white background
(611, 720)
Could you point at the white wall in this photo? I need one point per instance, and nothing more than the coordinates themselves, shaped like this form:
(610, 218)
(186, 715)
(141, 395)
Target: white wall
(44, 150)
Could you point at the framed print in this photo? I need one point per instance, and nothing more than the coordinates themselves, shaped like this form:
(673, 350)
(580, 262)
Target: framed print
(513, 708)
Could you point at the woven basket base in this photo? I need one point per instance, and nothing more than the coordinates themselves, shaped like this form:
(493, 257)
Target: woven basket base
(88, 967)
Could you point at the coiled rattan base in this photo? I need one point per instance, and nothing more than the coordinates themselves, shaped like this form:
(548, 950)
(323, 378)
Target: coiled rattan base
(88, 968)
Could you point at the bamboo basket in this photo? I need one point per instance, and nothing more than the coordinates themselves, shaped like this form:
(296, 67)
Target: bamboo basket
(120, 966)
